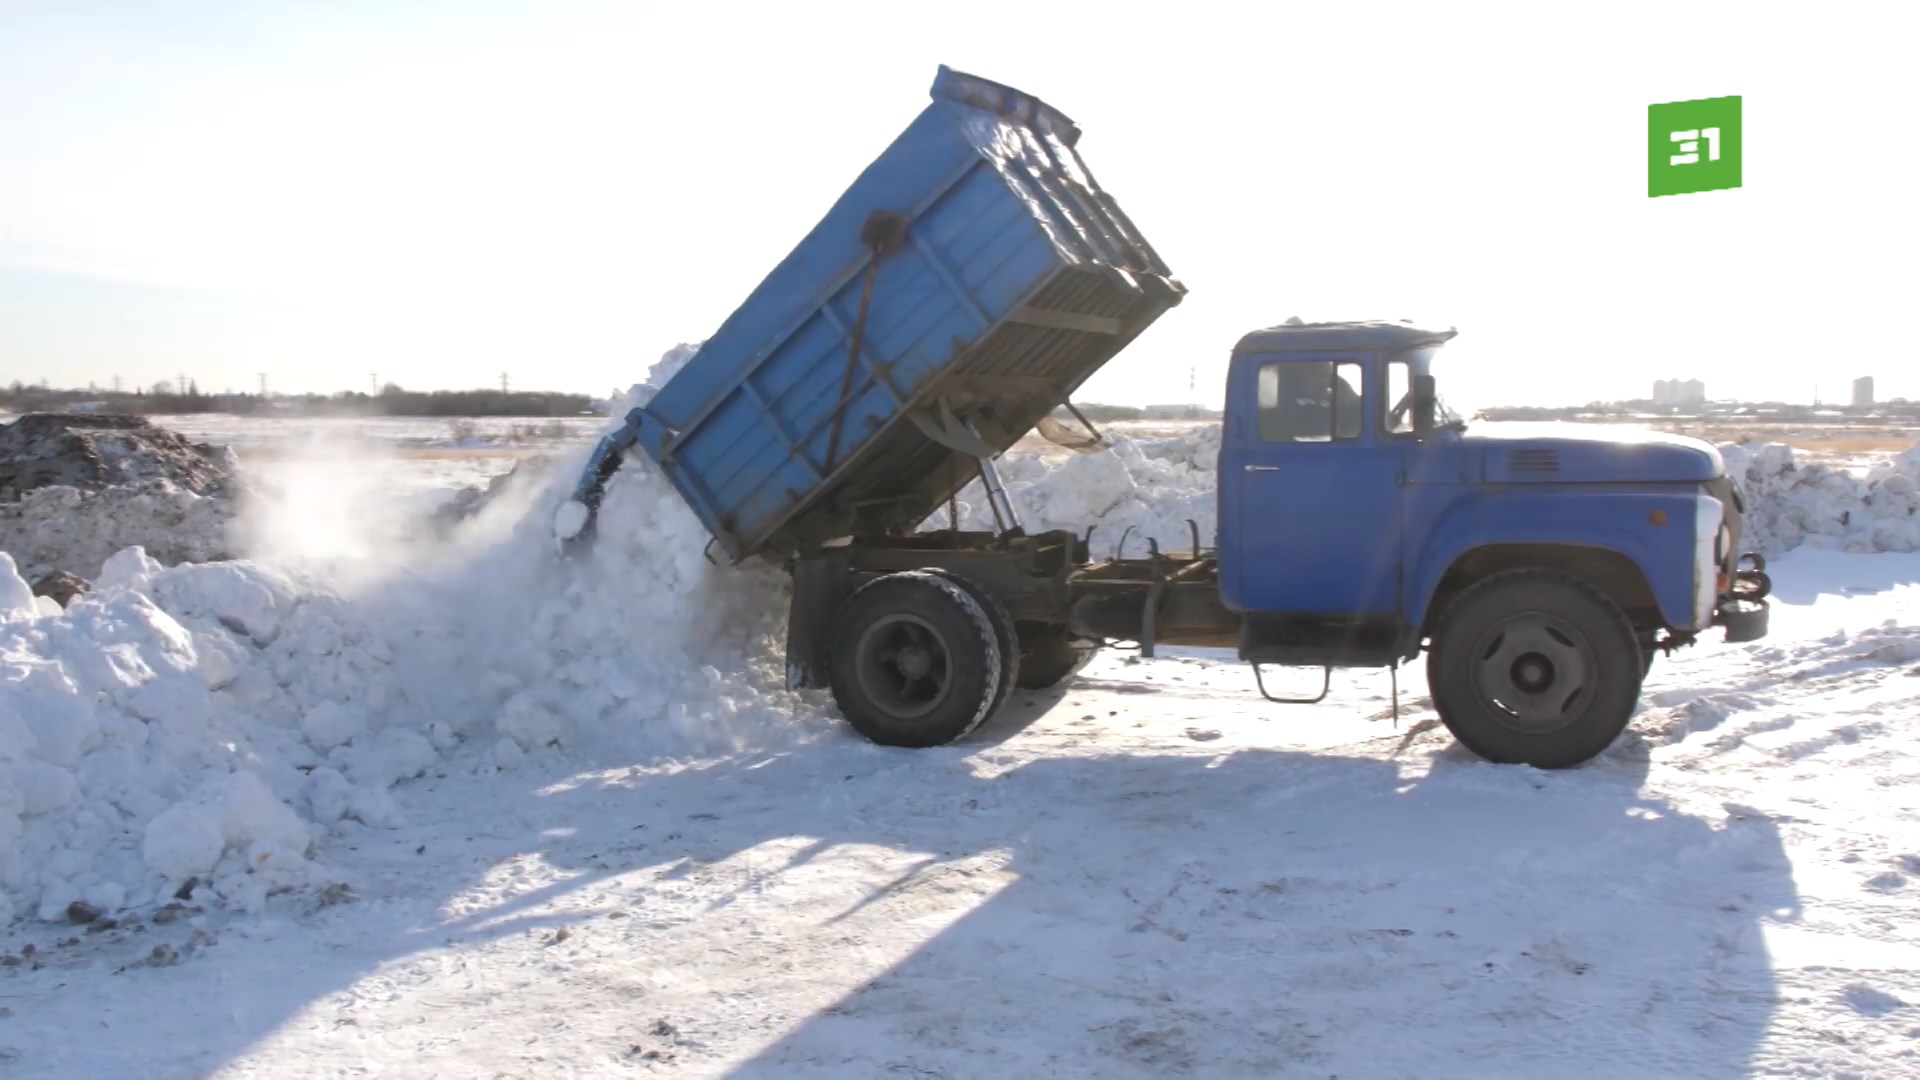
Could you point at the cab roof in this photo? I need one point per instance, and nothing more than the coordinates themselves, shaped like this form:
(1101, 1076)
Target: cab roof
(1378, 335)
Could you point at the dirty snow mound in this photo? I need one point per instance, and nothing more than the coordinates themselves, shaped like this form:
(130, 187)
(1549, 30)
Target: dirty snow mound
(76, 489)
(218, 722)
(1790, 504)
(96, 452)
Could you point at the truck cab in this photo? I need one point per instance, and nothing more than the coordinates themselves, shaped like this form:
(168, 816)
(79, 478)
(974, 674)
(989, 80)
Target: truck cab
(1540, 567)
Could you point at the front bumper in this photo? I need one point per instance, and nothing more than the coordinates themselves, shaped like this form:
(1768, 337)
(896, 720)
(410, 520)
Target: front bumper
(1743, 609)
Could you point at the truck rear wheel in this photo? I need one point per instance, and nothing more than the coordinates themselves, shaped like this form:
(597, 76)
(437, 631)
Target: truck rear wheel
(1048, 656)
(916, 661)
(1004, 634)
(1535, 668)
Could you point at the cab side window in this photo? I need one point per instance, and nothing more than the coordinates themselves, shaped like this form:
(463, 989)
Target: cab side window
(1309, 401)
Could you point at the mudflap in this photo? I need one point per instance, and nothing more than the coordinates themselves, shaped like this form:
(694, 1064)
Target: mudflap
(820, 586)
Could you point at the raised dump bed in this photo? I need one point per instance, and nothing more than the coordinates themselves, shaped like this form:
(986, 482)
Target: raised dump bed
(964, 286)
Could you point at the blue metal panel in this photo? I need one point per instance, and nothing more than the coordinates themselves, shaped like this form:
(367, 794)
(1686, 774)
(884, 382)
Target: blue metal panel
(1000, 212)
(1445, 523)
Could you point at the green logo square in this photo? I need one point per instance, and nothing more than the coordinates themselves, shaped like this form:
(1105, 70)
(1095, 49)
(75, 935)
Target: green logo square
(1693, 146)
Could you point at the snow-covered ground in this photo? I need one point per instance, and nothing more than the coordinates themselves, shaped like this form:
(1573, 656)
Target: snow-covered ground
(1147, 874)
(483, 813)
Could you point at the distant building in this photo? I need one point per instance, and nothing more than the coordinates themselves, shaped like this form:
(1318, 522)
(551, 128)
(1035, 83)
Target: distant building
(1685, 392)
(1863, 392)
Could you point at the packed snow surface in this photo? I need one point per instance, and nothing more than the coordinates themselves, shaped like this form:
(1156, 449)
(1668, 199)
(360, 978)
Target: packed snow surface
(1150, 873)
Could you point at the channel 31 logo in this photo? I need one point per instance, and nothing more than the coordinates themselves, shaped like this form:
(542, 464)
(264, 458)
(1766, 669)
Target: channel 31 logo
(1693, 146)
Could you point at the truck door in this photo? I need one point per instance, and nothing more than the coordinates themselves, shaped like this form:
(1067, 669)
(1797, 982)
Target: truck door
(1312, 497)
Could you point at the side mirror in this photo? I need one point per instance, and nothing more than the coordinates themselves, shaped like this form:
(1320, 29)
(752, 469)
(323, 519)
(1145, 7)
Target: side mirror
(1425, 405)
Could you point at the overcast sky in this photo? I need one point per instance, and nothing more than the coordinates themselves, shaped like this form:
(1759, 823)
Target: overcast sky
(439, 191)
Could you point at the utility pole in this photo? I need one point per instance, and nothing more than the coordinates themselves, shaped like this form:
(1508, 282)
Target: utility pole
(116, 384)
(506, 384)
(373, 383)
(263, 384)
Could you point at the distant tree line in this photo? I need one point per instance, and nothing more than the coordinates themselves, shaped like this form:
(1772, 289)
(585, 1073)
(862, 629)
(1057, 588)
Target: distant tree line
(164, 399)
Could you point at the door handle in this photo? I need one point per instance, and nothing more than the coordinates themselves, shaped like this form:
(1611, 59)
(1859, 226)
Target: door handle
(1263, 468)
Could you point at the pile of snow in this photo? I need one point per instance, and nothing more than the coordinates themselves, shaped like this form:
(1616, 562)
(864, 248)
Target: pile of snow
(1134, 490)
(1790, 504)
(75, 530)
(217, 722)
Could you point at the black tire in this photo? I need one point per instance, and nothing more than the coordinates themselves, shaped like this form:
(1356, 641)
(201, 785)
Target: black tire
(1535, 668)
(1049, 656)
(915, 660)
(1004, 633)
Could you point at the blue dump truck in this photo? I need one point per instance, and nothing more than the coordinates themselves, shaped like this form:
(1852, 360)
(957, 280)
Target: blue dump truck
(954, 299)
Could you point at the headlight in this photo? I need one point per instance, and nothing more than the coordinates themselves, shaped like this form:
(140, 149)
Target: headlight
(1722, 545)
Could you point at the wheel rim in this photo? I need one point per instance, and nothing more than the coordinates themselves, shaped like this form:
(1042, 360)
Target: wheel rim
(904, 665)
(1534, 672)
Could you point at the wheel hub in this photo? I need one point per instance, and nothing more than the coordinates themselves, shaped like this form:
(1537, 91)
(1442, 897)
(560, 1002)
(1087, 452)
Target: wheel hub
(903, 665)
(914, 662)
(1535, 672)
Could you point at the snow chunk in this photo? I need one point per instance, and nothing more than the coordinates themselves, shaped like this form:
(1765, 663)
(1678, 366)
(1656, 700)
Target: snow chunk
(387, 758)
(237, 815)
(530, 724)
(127, 568)
(16, 596)
(332, 724)
(185, 841)
(570, 519)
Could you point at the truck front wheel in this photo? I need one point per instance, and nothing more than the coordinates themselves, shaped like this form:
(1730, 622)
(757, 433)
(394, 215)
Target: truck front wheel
(1535, 668)
(915, 660)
